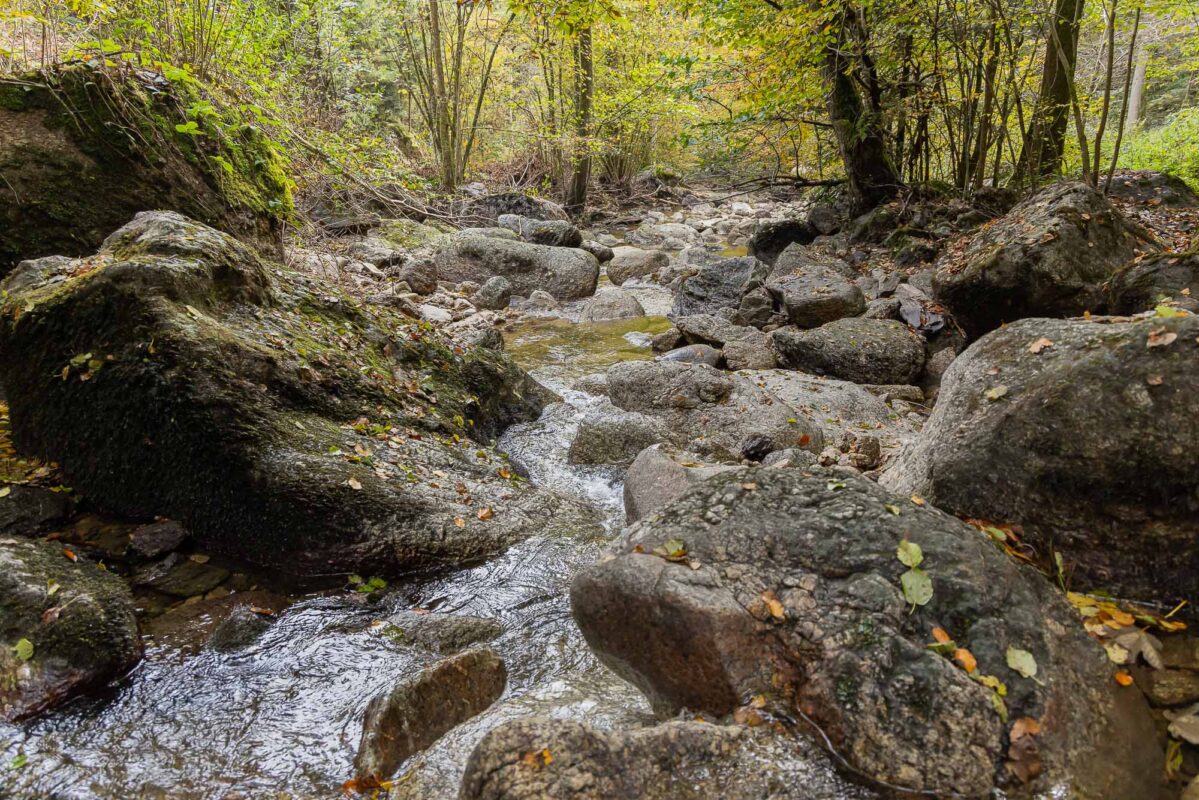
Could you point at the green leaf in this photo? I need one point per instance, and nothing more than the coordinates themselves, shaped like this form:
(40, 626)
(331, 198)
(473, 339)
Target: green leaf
(909, 553)
(6, 491)
(893, 509)
(1000, 706)
(996, 392)
(835, 485)
(1021, 661)
(1164, 310)
(19, 761)
(190, 128)
(675, 548)
(917, 587)
(24, 649)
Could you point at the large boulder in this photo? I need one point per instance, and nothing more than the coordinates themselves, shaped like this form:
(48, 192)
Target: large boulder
(782, 589)
(633, 262)
(709, 411)
(658, 475)
(73, 172)
(1162, 277)
(719, 284)
(771, 237)
(416, 712)
(172, 375)
(608, 435)
(541, 758)
(1085, 434)
(565, 273)
(668, 235)
(1048, 257)
(854, 349)
(552, 232)
(66, 626)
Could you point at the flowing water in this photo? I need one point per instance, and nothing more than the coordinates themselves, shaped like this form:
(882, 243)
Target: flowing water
(282, 717)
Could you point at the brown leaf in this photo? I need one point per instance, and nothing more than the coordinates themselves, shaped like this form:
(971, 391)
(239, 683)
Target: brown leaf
(1039, 345)
(774, 606)
(460, 522)
(485, 514)
(50, 615)
(1025, 726)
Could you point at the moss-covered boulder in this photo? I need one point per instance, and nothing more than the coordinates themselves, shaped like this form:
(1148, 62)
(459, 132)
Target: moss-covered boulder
(66, 625)
(175, 374)
(84, 148)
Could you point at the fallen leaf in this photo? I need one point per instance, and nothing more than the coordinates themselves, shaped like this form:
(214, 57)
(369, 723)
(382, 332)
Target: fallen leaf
(917, 499)
(1021, 661)
(917, 587)
(941, 635)
(23, 649)
(1025, 726)
(354, 483)
(1039, 345)
(1123, 678)
(996, 392)
(1160, 337)
(966, 659)
(199, 558)
(774, 606)
(485, 514)
(50, 615)
(893, 509)
(1155, 380)
(909, 554)
(460, 522)
(70, 554)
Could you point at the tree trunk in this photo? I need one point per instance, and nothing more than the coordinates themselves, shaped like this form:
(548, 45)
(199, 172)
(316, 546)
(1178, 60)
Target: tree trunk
(576, 196)
(1045, 143)
(871, 177)
(1136, 92)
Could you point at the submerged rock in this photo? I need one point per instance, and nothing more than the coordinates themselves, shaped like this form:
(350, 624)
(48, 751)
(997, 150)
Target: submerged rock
(66, 626)
(440, 633)
(1048, 257)
(566, 273)
(73, 174)
(791, 590)
(287, 424)
(1084, 433)
(414, 714)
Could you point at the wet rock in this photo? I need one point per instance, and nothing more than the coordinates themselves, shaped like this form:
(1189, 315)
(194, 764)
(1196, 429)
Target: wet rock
(1144, 283)
(157, 539)
(797, 598)
(441, 633)
(1049, 257)
(593, 384)
(680, 760)
(494, 294)
(565, 273)
(65, 627)
(554, 232)
(854, 349)
(633, 262)
(56, 163)
(1181, 652)
(30, 510)
(694, 354)
(519, 203)
(602, 252)
(708, 411)
(540, 303)
(238, 630)
(612, 303)
(749, 353)
(608, 435)
(1087, 443)
(248, 442)
(420, 274)
(718, 285)
(180, 576)
(668, 235)
(414, 714)
(771, 237)
(658, 475)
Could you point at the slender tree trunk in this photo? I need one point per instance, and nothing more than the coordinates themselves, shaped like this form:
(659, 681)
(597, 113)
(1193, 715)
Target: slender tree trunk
(1136, 93)
(576, 196)
(1044, 146)
(1108, 78)
(871, 177)
(1128, 81)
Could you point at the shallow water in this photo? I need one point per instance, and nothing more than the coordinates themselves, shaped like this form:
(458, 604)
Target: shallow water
(282, 717)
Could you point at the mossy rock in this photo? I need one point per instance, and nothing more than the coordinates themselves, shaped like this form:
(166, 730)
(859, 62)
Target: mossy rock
(176, 374)
(83, 148)
(66, 625)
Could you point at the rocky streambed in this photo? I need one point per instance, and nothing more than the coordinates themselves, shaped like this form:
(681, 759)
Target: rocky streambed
(719, 501)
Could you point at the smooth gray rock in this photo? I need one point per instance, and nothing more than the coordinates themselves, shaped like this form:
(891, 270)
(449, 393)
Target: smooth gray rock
(659, 474)
(602, 252)
(693, 354)
(854, 349)
(633, 262)
(565, 273)
(609, 435)
(440, 633)
(494, 294)
(612, 303)
(553, 232)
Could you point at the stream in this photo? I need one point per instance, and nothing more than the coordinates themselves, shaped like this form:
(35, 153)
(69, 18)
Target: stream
(282, 717)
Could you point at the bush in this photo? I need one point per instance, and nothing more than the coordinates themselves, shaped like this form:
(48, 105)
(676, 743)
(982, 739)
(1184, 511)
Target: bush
(1172, 148)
